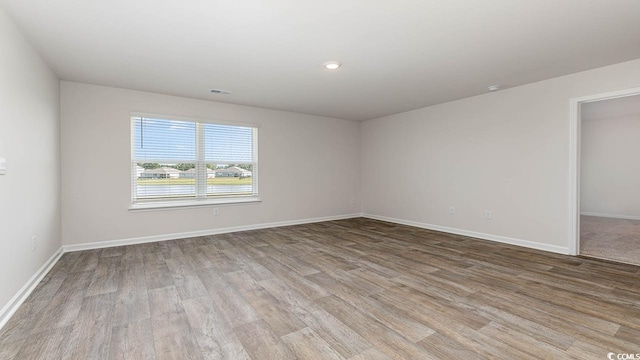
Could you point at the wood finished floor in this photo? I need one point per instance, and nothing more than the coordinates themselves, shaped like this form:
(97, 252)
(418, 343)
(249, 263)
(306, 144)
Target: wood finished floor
(351, 289)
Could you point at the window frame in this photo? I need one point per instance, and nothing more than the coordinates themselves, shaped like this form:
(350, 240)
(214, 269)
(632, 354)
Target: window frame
(201, 197)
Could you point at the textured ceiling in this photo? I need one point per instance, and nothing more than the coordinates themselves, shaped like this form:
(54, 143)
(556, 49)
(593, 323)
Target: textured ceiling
(397, 55)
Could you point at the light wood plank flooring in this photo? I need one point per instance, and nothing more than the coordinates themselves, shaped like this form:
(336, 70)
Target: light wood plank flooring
(352, 289)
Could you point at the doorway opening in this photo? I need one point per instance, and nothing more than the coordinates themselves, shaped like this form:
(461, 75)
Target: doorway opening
(605, 176)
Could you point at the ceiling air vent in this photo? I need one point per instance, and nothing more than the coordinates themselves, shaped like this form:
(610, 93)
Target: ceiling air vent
(219, 91)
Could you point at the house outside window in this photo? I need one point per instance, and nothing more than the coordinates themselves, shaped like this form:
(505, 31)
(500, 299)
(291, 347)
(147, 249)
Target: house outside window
(185, 162)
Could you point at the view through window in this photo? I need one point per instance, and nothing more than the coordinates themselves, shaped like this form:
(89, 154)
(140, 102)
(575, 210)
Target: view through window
(183, 160)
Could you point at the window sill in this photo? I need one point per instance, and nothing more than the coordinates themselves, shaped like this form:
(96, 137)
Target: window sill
(171, 205)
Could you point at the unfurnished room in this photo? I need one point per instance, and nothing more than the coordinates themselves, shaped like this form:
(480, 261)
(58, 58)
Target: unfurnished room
(345, 180)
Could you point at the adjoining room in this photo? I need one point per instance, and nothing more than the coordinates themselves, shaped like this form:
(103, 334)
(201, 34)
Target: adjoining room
(609, 178)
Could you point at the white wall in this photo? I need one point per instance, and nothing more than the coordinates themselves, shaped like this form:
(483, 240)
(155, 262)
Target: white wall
(507, 152)
(29, 140)
(96, 156)
(610, 169)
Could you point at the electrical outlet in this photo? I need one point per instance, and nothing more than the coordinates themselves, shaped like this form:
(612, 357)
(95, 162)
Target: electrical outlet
(34, 243)
(487, 214)
(452, 210)
(216, 211)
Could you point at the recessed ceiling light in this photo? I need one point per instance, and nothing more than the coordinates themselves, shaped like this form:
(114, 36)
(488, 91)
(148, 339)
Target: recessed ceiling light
(332, 65)
(219, 91)
(494, 88)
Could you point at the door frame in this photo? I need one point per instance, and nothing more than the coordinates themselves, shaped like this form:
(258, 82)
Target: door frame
(575, 121)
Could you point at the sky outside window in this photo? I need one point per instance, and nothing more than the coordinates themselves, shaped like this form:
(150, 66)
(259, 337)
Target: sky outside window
(160, 139)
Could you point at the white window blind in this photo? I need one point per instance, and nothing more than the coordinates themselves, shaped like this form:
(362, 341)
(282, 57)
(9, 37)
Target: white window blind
(192, 161)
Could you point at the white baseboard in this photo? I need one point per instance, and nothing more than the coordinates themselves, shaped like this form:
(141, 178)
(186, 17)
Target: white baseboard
(12, 306)
(614, 216)
(154, 238)
(497, 238)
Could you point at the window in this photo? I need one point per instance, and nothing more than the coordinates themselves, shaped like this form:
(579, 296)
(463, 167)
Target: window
(176, 162)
